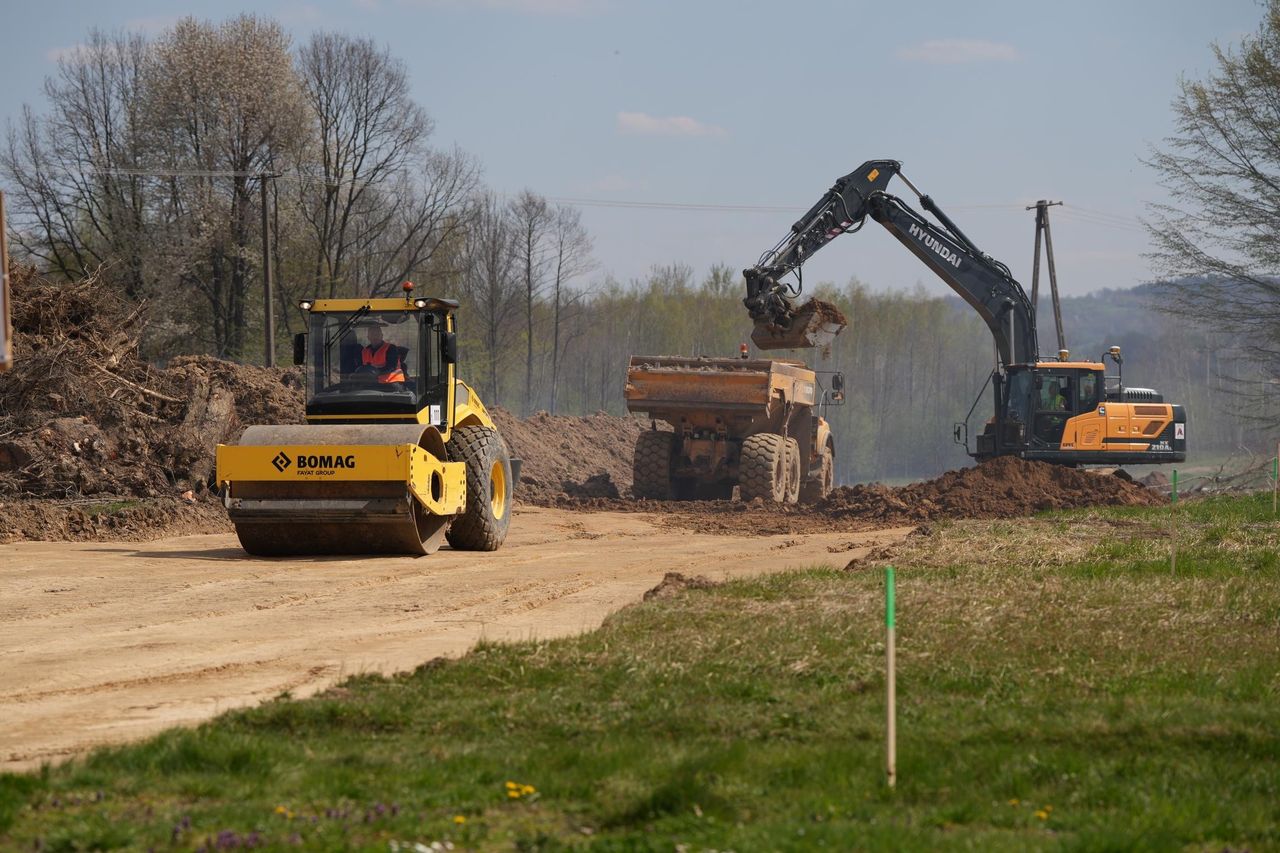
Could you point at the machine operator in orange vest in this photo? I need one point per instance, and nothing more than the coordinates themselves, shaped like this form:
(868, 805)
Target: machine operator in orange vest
(383, 358)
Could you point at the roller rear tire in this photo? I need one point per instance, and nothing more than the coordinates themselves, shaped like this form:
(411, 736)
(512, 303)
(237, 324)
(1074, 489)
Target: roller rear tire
(482, 526)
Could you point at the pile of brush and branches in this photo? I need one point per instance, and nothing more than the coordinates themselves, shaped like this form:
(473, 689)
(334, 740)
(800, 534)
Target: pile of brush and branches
(81, 413)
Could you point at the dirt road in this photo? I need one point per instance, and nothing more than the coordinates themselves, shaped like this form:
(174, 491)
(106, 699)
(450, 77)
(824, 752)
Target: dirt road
(102, 643)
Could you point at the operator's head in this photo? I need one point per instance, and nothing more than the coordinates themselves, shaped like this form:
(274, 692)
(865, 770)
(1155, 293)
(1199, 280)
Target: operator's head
(375, 335)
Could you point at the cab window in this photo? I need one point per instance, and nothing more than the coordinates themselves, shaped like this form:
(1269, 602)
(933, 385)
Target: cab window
(1087, 392)
(1055, 392)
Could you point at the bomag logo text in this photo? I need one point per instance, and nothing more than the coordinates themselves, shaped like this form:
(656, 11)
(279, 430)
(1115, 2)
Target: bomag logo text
(935, 244)
(307, 462)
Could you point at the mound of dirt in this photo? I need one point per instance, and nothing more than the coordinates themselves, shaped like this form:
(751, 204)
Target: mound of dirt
(999, 488)
(109, 519)
(81, 414)
(570, 457)
(674, 583)
(95, 443)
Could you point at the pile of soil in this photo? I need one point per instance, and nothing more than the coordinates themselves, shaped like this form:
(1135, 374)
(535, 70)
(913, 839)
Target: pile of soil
(97, 443)
(81, 414)
(826, 312)
(999, 488)
(572, 458)
(109, 519)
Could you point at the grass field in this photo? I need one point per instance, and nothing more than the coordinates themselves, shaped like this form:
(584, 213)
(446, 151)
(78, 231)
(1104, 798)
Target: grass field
(1058, 689)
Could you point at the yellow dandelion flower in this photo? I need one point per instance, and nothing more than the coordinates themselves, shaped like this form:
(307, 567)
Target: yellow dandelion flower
(281, 810)
(528, 789)
(1014, 801)
(511, 784)
(1042, 814)
(459, 819)
(515, 795)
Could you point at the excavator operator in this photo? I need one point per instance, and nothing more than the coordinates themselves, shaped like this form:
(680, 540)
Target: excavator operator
(382, 358)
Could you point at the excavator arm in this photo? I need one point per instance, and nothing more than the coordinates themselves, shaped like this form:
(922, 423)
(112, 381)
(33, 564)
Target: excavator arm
(841, 208)
(983, 282)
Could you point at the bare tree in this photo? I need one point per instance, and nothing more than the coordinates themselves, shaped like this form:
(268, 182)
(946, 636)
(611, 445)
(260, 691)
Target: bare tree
(1216, 240)
(490, 281)
(224, 107)
(369, 132)
(531, 219)
(429, 215)
(570, 257)
(79, 201)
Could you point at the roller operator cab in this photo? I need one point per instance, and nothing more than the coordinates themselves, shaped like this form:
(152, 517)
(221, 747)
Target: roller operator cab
(397, 454)
(367, 363)
(1072, 412)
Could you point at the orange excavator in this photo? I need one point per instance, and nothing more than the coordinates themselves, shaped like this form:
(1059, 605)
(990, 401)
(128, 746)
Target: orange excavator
(1063, 411)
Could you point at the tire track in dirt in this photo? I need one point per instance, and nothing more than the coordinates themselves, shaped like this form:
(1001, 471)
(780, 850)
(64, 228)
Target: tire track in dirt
(175, 631)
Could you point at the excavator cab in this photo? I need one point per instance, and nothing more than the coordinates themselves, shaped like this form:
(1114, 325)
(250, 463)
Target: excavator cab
(1072, 413)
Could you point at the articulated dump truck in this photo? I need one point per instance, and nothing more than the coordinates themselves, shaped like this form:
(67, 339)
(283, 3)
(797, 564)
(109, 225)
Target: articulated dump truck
(397, 453)
(750, 423)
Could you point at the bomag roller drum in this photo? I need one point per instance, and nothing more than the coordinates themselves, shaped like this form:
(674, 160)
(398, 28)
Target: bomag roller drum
(352, 489)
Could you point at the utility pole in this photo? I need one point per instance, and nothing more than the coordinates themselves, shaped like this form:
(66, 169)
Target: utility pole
(6, 322)
(268, 305)
(1041, 208)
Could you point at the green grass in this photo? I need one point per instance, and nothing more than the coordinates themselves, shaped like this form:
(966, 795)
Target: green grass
(110, 507)
(1058, 689)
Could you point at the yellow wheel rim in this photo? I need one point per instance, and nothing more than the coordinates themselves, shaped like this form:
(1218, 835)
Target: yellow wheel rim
(498, 489)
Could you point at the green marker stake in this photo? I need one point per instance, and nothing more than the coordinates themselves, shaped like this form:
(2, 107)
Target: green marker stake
(891, 699)
(1173, 527)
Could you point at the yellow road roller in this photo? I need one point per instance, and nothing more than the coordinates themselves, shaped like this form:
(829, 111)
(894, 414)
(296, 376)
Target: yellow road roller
(397, 453)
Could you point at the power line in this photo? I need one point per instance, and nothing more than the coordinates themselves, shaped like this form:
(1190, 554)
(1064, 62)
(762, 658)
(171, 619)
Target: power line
(1074, 213)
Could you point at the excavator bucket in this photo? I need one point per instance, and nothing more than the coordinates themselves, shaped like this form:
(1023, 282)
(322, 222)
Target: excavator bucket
(814, 324)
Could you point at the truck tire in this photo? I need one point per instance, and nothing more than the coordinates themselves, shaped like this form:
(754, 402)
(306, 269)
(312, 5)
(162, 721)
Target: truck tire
(793, 470)
(482, 526)
(762, 470)
(651, 466)
(820, 482)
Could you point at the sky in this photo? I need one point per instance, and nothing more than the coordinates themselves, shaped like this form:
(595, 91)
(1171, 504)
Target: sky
(697, 131)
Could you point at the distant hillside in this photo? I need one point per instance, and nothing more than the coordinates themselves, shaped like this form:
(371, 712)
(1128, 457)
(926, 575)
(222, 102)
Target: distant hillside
(1129, 318)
